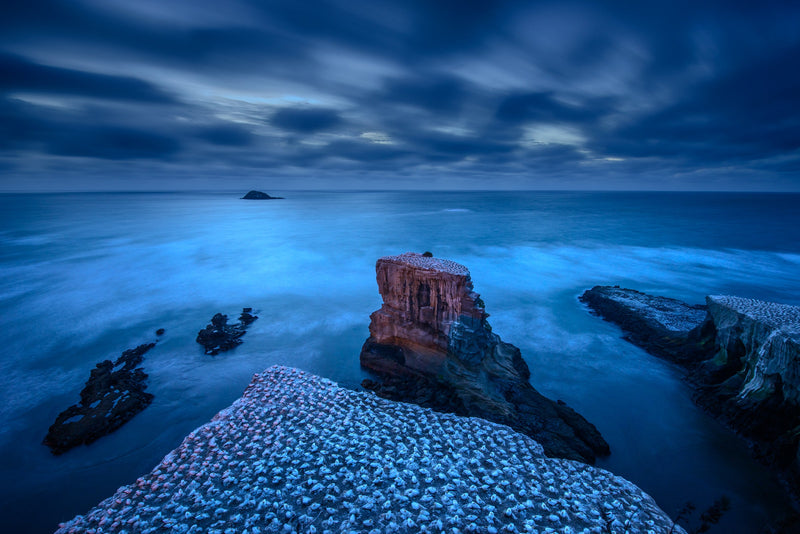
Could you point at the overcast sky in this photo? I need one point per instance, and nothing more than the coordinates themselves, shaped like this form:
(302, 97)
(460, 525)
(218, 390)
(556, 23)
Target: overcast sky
(169, 94)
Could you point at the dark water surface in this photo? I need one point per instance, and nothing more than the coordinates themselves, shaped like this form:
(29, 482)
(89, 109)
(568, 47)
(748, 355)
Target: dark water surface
(85, 276)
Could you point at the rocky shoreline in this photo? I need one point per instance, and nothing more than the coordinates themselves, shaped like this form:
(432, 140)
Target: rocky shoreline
(297, 453)
(430, 343)
(741, 356)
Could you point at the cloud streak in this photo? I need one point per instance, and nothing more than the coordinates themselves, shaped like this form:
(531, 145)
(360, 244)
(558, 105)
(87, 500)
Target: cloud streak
(403, 94)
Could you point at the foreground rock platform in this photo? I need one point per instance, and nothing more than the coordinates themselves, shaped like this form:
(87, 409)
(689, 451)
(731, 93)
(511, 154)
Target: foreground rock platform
(431, 344)
(742, 357)
(113, 394)
(297, 453)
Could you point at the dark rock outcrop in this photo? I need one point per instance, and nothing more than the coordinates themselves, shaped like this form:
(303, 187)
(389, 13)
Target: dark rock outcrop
(258, 195)
(219, 336)
(114, 393)
(432, 345)
(742, 357)
(663, 326)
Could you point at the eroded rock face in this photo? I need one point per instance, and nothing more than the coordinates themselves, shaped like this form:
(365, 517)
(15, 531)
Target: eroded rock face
(297, 453)
(422, 298)
(114, 393)
(753, 379)
(742, 358)
(767, 336)
(430, 340)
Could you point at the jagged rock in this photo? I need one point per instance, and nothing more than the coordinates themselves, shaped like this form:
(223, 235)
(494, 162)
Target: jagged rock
(258, 195)
(433, 342)
(111, 397)
(742, 358)
(669, 328)
(247, 316)
(297, 453)
(219, 336)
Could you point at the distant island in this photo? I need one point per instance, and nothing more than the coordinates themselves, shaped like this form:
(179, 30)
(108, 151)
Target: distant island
(258, 195)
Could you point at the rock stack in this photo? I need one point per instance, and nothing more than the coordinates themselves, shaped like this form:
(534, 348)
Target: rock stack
(431, 344)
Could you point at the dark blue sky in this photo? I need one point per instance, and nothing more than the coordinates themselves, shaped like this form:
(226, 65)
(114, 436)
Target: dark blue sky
(144, 94)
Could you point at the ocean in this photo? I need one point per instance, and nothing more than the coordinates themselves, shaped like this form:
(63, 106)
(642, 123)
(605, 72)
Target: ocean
(84, 276)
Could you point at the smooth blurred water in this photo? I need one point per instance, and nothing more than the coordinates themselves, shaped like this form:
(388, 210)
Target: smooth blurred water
(85, 276)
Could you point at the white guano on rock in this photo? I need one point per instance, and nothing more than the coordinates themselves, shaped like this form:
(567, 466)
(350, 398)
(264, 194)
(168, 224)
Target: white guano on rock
(297, 453)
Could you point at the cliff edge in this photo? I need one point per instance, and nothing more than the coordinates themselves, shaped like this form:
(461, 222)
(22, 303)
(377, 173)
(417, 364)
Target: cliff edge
(742, 357)
(431, 344)
(752, 380)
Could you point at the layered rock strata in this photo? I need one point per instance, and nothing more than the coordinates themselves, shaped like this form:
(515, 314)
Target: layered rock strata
(113, 394)
(753, 379)
(742, 358)
(297, 453)
(431, 344)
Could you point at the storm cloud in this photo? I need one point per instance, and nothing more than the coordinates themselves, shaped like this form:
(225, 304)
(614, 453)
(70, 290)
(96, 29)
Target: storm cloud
(481, 94)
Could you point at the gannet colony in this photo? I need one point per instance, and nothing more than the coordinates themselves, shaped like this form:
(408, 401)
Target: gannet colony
(298, 453)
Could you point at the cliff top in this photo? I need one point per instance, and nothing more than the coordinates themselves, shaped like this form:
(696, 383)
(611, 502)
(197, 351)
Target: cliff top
(781, 316)
(297, 451)
(430, 263)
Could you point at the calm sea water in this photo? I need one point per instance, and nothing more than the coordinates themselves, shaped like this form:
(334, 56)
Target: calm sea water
(85, 276)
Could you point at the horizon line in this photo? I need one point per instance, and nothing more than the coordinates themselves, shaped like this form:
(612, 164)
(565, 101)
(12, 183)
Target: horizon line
(383, 190)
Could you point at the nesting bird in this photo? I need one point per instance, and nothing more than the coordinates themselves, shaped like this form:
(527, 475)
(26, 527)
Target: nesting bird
(324, 459)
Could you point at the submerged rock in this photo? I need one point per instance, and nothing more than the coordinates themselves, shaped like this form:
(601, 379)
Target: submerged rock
(742, 357)
(432, 345)
(297, 453)
(219, 336)
(111, 397)
(258, 195)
